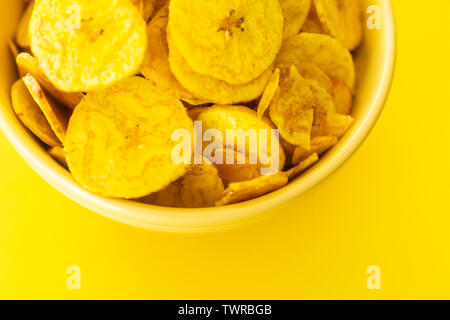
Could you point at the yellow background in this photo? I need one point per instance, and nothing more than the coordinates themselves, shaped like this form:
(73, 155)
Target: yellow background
(388, 206)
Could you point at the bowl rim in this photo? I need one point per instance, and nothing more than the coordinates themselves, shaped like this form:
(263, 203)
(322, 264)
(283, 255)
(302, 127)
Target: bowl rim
(208, 219)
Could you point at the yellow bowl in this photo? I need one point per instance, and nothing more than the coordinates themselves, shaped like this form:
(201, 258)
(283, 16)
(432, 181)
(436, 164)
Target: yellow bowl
(375, 65)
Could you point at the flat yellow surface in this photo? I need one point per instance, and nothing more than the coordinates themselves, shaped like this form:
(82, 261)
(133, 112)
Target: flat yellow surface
(388, 206)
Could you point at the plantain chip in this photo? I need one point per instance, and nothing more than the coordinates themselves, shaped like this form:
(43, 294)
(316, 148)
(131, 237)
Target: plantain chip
(156, 62)
(302, 167)
(230, 40)
(292, 108)
(26, 63)
(319, 145)
(22, 32)
(213, 90)
(343, 97)
(31, 115)
(119, 140)
(145, 7)
(321, 50)
(56, 115)
(59, 155)
(87, 44)
(269, 93)
(295, 13)
(200, 187)
(247, 190)
(247, 128)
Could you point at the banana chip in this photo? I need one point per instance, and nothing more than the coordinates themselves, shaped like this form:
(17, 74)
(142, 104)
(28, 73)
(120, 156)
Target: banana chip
(31, 115)
(56, 115)
(237, 172)
(22, 33)
(295, 13)
(119, 142)
(319, 145)
(156, 62)
(26, 63)
(230, 40)
(247, 190)
(200, 187)
(269, 93)
(59, 155)
(324, 52)
(145, 7)
(244, 121)
(311, 72)
(302, 167)
(312, 23)
(343, 97)
(292, 109)
(211, 89)
(87, 44)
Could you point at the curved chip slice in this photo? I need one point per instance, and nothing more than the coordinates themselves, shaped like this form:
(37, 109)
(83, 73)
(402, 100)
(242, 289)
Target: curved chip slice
(156, 62)
(213, 90)
(247, 190)
(352, 18)
(145, 7)
(292, 108)
(22, 33)
(87, 44)
(321, 50)
(319, 145)
(200, 187)
(311, 72)
(59, 155)
(331, 19)
(30, 115)
(26, 63)
(302, 167)
(119, 142)
(230, 40)
(247, 133)
(343, 97)
(295, 13)
(269, 93)
(56, 115)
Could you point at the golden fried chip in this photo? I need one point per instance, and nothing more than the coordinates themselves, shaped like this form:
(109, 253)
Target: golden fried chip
(237, 172)
(59, 155)
(145, 7)
(56, 115)
(295, 13)
(319, 145)
(230, 40)
(302, 167)
(321, 50)
(26, 63)
(31, 116)
(269, 93)
(119, 140)
(311, 72)
(87, 44)
(22, 33)
(352, 18)
(330, 18)
(200, 187)
(156, 62)
(247, 190)
(213, 90)
(241, 125)
(292, 109)
(343, 97)
(312, 23)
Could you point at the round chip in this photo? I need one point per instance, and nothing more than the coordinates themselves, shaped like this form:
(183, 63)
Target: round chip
(211, 89)
(87, 44)
(156, 62)
(200, 187)
(119, 141)
(343, 97)
(241, 125)
(321, 50)
(295, 13)
(230, 40)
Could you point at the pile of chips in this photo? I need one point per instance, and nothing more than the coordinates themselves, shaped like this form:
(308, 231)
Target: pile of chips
(104, 84)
